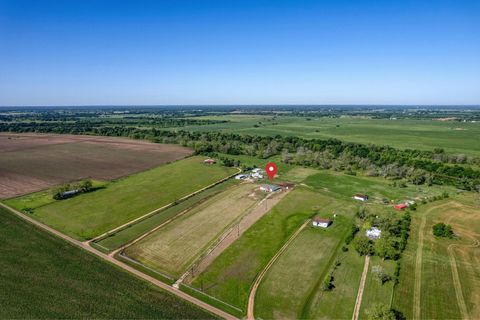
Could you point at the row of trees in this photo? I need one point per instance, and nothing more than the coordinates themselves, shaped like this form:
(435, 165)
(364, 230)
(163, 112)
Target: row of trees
(418, 167)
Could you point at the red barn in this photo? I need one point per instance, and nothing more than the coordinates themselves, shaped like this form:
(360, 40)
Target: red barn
(401, 206)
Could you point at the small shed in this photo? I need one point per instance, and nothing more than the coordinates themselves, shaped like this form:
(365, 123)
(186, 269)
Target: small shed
(321, 222)
(361, 197)
(269, 187)
(209, 161)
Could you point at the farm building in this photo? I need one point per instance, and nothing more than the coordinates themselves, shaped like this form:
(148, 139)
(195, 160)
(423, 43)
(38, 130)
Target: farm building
(401, 206)
(257, 170)
(269, 187)
(361, 197)
(285, 185)
(241, 177)
(257, 175)
(209, 161)
(68, 194)
(320, 222)
(373, 233)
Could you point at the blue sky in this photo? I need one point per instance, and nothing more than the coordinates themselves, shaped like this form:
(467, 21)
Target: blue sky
(239, 52)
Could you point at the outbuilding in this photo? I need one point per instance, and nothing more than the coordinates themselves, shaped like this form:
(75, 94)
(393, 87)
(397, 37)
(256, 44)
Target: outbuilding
(241, 177)
(361, 197)
(401, 206)
(321, 222)
(269, 187)
(209, 161)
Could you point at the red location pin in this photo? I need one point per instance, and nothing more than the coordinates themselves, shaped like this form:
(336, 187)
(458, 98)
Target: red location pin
(271, 169)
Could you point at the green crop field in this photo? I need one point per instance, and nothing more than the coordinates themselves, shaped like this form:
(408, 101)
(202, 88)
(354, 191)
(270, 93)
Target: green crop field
(172, 248)
(287, 290)
(88, 215)
(44, 277)
(230, 276)
(453, 136)
(134, 231)
(429, 288)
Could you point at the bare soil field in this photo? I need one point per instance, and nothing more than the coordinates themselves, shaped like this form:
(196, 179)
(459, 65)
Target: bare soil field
(30, 162)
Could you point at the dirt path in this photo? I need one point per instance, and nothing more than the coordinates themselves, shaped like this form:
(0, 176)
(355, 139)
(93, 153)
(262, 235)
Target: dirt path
(123, 226)
(258, 280)
(361, 287)
(456, 278)
(253, 216)
(122, 265)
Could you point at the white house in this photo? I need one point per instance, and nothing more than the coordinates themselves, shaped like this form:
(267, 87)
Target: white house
(320, 222)
(361, 197)
(373, 233)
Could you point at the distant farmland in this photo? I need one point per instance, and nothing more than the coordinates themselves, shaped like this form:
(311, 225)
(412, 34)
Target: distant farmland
(31, 162)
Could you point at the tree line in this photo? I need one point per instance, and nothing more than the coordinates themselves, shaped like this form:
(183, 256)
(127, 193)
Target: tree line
(415, 166)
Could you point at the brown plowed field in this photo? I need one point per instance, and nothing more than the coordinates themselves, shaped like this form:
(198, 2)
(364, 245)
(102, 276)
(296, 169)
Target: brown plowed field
(31, 162)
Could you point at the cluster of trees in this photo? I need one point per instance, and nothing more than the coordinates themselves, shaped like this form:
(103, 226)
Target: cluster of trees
(80, 187)
(328, 284)
(415, 166)
(393, 240)
(383, 312)
(443, 230)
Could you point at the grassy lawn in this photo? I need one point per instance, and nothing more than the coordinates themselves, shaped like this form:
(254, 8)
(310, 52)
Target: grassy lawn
(438, 297)
(287, 290)
(126, 235)
(91, 214)
(45, 277)
(230, 276)
(175, 246)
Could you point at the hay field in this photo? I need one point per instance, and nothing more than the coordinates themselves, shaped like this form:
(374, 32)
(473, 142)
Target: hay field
(441, 277)
(32, 162)
(174, 247)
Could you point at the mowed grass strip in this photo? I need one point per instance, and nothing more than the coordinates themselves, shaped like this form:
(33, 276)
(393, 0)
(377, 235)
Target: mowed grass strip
(91, 214)
(126, 235)
(230, 276)
(287, 288)
(172, 248)
(45, 277)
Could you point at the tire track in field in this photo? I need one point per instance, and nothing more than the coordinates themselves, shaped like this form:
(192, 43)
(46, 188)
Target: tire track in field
(456, 278)
(258, 280)
(361, 287)
(417, 291)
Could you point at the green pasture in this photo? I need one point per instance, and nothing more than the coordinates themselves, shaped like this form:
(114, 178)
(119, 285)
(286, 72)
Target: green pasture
(339, 302)
(375, 187)
(230, 276)
(453, 136)
(287, 291)
(44, 277)
(88, 215)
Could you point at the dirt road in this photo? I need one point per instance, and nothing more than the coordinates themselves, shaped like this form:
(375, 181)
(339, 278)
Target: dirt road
(361, 287)
(125, 267)
(258, 280)
(417, 289)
